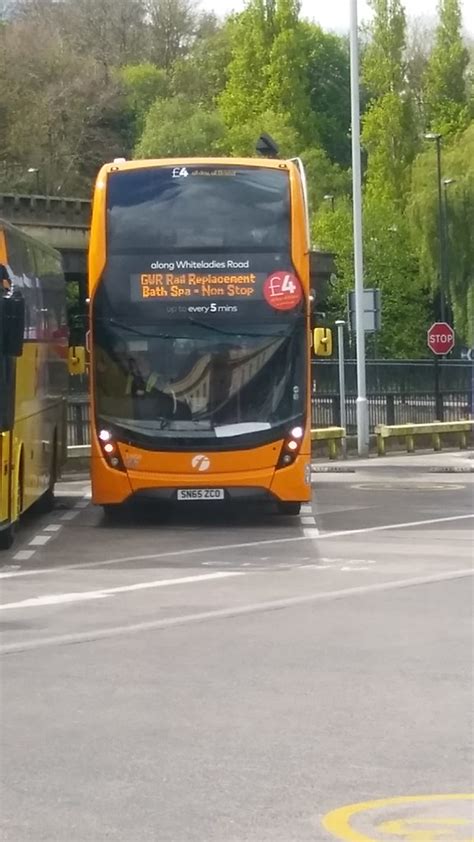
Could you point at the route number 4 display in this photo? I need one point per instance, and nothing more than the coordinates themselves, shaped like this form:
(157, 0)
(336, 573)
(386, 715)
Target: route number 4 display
(282, 290)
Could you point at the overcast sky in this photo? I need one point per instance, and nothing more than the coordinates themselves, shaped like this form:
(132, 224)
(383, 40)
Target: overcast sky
(334, 14)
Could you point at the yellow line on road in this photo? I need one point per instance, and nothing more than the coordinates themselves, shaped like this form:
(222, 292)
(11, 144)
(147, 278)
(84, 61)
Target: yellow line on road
(337, 822)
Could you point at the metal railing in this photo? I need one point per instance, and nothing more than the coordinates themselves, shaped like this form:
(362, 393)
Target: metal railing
(398, 392)
(414, 408)
(78, 427)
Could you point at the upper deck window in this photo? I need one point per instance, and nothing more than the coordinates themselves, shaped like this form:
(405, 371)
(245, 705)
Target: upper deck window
(198, 208)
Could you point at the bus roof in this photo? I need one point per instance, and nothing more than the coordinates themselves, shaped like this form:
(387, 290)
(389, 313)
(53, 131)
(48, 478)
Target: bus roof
(149, 163)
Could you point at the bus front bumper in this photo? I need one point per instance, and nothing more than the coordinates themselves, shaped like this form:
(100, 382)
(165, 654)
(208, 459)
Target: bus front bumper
(290, 484)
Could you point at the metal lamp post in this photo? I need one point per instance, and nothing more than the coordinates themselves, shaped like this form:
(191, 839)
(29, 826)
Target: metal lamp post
(446, 184)
(36, 171)
(362, 407)
(340, 324)
(328, 197)
(436, 137)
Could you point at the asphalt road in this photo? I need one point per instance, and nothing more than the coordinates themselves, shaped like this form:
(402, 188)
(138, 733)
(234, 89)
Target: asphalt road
(206, 675)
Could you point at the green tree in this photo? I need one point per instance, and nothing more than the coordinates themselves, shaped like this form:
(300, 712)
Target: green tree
(288, 67)
(458, 162)
(253, 33)
(175, 127)
(202, 75)
(445, 81)
(173, 26)
(327, 68)
(324, 177)
(142, 85)
(390, 264)
(59, 114)
(240, 139)
(420, 39)
(388, 126)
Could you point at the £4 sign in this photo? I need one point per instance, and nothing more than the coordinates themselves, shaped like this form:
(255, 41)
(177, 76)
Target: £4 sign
(441, 338)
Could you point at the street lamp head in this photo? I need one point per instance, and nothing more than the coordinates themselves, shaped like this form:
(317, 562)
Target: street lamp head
(432, 136)
(328, 196)
(33, 169)
(448, 181)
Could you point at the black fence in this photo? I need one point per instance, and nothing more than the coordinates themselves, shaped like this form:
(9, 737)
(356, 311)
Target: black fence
(398, 392)
(78, 427)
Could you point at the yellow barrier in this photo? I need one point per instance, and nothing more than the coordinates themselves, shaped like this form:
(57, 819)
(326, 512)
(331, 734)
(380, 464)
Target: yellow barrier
(334, 437)
(435, 430)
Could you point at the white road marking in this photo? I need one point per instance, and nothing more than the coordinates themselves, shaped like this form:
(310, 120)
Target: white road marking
(392, 526)
(223, 613)
(308, 520)
(83, 504)
(309, 534)
(23, 555)
(53, 527)
(351, 569)
(39, 540)
(70, 515)
(103, 593)
(307, 508)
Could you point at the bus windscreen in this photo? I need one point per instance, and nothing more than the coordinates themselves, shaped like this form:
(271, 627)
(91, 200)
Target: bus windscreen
(199, 208)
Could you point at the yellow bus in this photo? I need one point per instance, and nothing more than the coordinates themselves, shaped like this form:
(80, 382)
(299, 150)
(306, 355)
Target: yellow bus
(33, 375)
(200, 340)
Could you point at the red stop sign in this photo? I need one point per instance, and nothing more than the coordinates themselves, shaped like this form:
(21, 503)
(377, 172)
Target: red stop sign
(441, 338)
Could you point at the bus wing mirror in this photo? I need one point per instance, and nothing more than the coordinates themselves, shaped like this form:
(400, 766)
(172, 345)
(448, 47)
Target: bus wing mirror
(322, 342)
(77, 360)
(13, 325)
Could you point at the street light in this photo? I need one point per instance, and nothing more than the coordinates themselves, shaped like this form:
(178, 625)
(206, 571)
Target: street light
(340, 324)
(329, 198)
(446, 184)
(362, 408)
(436, 137)
(36, 171)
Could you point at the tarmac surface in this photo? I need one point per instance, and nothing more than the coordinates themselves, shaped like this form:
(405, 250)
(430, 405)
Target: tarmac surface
(229, 675)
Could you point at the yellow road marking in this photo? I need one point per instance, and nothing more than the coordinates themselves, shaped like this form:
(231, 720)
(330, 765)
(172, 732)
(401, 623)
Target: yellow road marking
(337, 821)
(404, 828)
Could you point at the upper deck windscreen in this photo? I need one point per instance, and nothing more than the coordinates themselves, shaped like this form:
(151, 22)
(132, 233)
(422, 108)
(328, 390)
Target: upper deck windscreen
(198, 208)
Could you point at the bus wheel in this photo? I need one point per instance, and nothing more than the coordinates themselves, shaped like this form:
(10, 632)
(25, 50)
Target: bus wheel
(45, 504)
(289, 508)
(7, 536)
(112, 512)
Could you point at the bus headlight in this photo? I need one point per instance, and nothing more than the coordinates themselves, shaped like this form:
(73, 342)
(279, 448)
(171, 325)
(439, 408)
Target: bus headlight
(110, 451)
(291, 447)
(297, 433)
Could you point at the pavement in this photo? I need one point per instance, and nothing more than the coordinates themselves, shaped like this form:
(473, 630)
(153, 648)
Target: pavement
(229, 675)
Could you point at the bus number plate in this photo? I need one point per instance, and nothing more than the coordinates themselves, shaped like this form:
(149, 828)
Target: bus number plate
(201, 494)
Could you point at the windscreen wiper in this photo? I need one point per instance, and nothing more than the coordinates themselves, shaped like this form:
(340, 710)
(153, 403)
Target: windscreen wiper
(216, 329)
(137, 332)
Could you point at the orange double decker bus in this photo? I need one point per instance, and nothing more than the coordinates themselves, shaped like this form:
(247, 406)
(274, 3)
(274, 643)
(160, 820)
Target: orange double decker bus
(200, 316)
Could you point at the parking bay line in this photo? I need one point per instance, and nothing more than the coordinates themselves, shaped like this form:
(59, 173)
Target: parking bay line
(243, 545)
(227, 613)
(104, 593)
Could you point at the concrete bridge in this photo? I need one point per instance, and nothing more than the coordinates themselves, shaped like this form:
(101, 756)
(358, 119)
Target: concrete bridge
(59, 222)
(64, 224)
